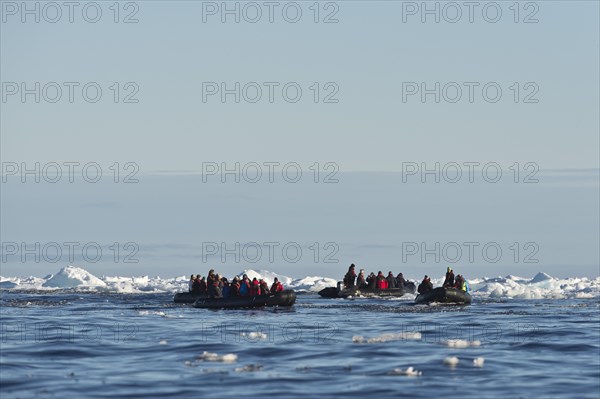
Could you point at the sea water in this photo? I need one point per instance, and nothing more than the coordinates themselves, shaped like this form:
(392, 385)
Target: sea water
(98, 342)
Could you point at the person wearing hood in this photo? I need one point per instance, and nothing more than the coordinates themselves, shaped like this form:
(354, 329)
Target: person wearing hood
(264, 287)
(381, 281)
(400, 282)
(461, 283)
(360, 279)
(391, 280)
(234, 288)
(254, 287)
(245, 286)
(425, 285)
(213, 285)
(372, 281)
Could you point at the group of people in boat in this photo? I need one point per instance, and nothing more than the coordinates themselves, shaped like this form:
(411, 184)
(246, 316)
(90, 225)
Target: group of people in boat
(217, 286)
(450, 281)
(372, 281)
(381, 282)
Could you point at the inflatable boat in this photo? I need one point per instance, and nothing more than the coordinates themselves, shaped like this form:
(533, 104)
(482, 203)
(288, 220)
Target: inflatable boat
(444, 295)
(188, 297)
(283, 298)
(338, 292)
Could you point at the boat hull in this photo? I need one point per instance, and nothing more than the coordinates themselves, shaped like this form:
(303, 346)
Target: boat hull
(187, 297)
(333, 292)
(444, 295)
(283, 298)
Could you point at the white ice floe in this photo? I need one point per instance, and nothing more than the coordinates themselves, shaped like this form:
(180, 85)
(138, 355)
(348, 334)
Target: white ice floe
(213, 357)
(359, 339)
(451, 361)
(461, 343)
(541, 286)
(410, 371)
(152, 312)
(312, 283)
(254, 335)
(478, 362)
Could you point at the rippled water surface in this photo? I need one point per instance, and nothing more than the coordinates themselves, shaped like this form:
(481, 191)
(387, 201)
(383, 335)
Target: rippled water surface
(115, 345)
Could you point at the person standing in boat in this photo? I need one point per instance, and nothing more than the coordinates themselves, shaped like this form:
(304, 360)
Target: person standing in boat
(277, 286)
(391, 280)
(449, 280)
(349, 277)
(191, 283)
(425, 285)
(360, 279)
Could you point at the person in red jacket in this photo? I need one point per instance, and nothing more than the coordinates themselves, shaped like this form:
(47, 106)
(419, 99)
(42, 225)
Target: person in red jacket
(255, 287)
(381, 281)
(277, 286)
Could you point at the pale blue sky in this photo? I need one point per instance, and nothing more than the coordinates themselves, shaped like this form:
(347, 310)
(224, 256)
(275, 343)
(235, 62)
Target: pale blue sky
(369, 53)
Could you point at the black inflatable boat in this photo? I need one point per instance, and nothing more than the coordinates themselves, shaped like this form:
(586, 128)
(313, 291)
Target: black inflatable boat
(338, 292)
(444, 295)
(283, 298)
(188, 297)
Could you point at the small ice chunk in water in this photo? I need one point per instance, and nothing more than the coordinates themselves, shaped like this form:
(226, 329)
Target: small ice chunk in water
(478, 362)
(461, 343)
(359, 339)
(213, 357)
(162, 342)
(451, 361)
(410, 371)
(254, 335)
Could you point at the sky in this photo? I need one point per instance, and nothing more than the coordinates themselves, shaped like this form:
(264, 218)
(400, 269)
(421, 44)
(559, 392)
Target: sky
(376, 86)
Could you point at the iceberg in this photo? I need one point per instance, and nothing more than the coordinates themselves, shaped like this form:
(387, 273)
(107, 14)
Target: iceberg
(71, 276)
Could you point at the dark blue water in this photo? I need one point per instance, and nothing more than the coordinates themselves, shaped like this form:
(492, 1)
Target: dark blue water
(129, 345)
